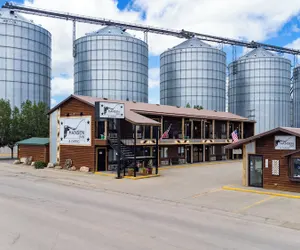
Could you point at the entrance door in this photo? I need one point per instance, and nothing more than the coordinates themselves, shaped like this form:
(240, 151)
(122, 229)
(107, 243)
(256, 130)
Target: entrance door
(188, 154)
(101, 159)
(255, 171)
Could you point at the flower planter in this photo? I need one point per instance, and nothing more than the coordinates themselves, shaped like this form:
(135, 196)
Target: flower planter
(144, 171)
(150, 171)
(130, 172)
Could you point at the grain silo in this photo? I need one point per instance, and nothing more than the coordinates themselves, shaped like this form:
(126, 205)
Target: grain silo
(25, 60)
(193, 73)
(296, 99)
(259, 88)
(111, 63)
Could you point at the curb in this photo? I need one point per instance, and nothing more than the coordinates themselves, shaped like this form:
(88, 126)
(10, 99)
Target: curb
(193, 165)
(261, 192)
(141, 177)
(105, 174)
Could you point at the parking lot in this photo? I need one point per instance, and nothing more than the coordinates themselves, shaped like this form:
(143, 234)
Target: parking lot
(189, 198)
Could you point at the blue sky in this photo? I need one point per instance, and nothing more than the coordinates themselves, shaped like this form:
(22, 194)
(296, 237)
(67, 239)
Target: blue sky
(278, 25)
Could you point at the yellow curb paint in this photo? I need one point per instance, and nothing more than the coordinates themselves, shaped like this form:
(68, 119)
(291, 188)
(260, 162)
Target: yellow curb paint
(196, 165)
(105, 174)
(208, 192)
(261, 192)
(256, 203)
(141, 177)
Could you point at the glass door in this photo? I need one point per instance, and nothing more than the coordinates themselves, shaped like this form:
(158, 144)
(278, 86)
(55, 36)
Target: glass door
(255, 170)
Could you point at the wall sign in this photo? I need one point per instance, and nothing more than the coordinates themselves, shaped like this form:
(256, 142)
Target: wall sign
(266, 163)
(283, 142)
(237, 151)
(110, 110)
(75, 131)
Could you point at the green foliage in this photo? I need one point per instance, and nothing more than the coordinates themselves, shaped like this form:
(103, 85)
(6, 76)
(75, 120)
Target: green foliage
(40, 165)
(198, 107)
(5, 120)
(187, 105)
(16, 125)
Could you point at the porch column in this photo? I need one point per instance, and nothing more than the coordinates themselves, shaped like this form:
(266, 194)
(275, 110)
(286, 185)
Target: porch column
(203, 153)
(213, 128)
(105, 129)
(151, 132)
(134, 150)
(161, 126)
(192, 153)
(202, 129)
(192, 129)
(157, 150)
(242, 130)
(182, 128)
(227, 130)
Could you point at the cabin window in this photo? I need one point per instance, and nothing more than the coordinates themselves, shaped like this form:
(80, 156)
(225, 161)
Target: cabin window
(181, 151)
(164, 152)
(295, 168)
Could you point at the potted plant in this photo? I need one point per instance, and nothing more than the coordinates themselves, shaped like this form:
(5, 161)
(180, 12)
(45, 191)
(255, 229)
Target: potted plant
(130, 171)
(143, 171)
(149, 167)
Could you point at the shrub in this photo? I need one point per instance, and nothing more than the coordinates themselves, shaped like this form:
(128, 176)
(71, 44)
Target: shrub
(40, 165)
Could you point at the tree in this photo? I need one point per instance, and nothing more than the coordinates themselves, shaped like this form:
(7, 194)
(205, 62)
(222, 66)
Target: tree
(34, 120)
(187, 105)
(198, 107)
(14, 130)
(5, 115)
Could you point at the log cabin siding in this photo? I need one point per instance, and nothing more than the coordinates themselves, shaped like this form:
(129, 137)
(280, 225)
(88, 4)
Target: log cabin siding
(266, 147)
(38, 152)
(80, 155)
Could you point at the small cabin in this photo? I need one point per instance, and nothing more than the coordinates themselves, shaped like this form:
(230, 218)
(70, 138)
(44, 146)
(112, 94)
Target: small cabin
(271, 159)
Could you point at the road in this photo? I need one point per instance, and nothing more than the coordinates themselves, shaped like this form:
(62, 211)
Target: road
(40, 213)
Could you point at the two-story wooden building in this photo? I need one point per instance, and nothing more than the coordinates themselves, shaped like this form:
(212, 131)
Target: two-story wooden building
(194, 135)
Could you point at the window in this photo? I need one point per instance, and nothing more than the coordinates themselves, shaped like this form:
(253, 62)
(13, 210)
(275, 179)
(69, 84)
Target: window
(295, 168)
(181, 152)
(164, 152)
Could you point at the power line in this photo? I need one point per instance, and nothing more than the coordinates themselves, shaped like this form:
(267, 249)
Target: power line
(144, 28)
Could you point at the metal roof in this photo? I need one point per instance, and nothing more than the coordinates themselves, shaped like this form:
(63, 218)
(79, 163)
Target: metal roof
(110, 31)
(34, 141)
(134, 111)
(258, 53)
(288, 130)
(192, 43)
(10, 14)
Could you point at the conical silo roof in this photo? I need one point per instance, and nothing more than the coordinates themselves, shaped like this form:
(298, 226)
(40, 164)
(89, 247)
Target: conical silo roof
(111, 31)
(10, 14)
(257, 53)
(192, 43)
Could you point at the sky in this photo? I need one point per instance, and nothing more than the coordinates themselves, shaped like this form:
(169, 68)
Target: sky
(275, 22)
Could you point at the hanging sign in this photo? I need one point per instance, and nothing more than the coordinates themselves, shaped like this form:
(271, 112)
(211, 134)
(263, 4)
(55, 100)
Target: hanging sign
(75, 131)
(237, 151)
(283, 142)
(111, 110)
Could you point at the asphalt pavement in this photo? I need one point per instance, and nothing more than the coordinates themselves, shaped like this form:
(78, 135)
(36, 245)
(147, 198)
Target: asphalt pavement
(70, 211)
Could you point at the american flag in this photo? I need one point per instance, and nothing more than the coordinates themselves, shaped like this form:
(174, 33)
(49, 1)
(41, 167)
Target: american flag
(166, 133)
(234, 136)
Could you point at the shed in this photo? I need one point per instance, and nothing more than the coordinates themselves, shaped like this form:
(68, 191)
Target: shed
(271, 159)
(37, 148)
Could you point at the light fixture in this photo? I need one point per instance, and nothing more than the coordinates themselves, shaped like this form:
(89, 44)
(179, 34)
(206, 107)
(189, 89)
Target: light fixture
(81, 113)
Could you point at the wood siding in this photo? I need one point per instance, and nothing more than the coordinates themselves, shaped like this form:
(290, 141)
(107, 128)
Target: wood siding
(265, 147)
(38, 153)
(80, 155)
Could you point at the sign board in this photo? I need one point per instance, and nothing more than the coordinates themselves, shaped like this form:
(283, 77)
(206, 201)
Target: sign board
(75, 131)
(285, 142)
(111, 110)
(237, 151)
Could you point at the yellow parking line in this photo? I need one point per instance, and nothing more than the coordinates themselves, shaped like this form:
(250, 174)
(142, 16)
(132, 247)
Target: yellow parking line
(261, 192)
(208, 192)
(256, 203)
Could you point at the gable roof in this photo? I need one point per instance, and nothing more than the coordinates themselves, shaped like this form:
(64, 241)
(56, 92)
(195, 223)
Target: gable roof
(134, 111)
(34, 141)
(288, 130)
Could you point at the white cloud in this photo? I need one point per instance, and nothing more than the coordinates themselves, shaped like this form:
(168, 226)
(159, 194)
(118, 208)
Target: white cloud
(53, 102)
(62, 86)
(295, 28)
(251, 20)
(154, 100)
(295, 44)
(153, 77)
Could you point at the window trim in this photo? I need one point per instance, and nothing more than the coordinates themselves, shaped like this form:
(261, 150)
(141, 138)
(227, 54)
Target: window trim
(291, 169)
